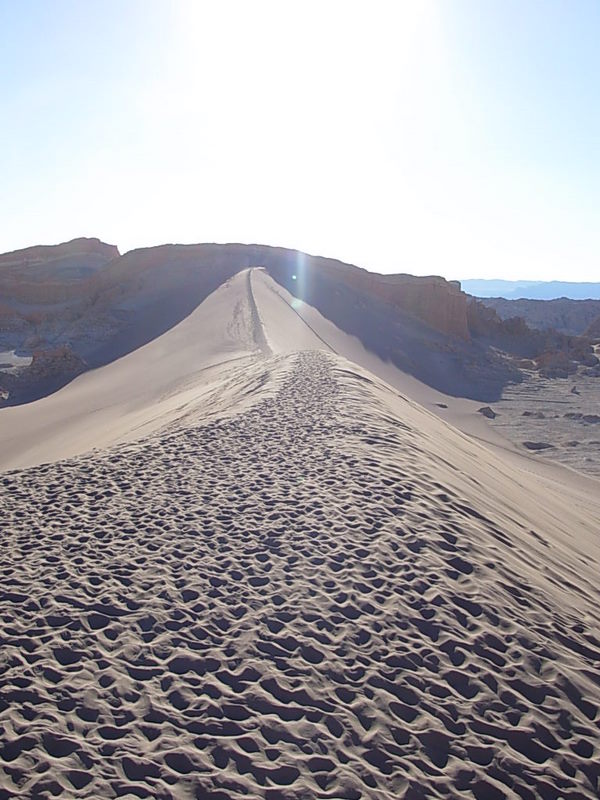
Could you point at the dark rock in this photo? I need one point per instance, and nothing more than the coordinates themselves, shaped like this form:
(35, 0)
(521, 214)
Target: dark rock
(593, 329)
(568, 316)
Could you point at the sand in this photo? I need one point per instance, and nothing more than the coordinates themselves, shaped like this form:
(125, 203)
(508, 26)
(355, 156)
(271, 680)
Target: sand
(278, 576)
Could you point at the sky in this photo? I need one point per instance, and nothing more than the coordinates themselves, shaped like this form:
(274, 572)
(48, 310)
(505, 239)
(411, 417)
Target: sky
(451, 137)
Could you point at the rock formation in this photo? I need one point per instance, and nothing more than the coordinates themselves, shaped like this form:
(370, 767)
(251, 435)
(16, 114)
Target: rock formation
(567, 316)
(44, 288)
(593, 329)
(47, 275)
(49, 370)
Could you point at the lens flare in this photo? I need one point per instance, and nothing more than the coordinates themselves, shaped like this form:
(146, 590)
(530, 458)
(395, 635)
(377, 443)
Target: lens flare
(299, 277)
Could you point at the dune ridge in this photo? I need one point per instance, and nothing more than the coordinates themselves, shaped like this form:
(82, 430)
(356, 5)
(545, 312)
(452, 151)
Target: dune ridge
(302, 584)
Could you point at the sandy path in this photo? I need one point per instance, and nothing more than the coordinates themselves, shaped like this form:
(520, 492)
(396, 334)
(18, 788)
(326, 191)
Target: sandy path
(316, 597)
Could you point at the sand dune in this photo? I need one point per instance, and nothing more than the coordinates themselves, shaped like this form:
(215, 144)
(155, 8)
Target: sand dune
(161, 381)
(141, 391)
(286, 579)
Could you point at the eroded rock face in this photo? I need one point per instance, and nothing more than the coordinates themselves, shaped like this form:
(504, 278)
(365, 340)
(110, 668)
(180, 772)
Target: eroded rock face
(46, 291)
(46, 275)
(438, 303)
(555, 354)
(49, 370)
(567, 316)
(43, 289)
(43, 254)
(593, 329)
(48, 363)
(11, 321)
(556, 364)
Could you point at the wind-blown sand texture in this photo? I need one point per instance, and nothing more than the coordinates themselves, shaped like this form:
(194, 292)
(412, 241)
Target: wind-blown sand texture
(286, 580)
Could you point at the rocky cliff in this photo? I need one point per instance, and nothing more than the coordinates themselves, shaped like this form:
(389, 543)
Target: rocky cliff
(41, 255)
(42, 288)
(47, 275)
(593, 329)
(554, 354)
(49, 370)
(566, 316)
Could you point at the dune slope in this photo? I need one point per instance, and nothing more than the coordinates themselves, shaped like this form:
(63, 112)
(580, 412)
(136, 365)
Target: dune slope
(143, 390)
(322, 592)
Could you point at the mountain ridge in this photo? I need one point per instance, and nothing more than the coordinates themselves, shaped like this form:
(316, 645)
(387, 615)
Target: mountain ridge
(532, 290)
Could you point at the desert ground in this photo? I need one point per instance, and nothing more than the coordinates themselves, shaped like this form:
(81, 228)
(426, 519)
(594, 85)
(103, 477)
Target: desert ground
(557, 418)
(252, 560)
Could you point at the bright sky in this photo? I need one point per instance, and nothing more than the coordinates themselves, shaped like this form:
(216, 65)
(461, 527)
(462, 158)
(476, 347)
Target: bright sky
(454, 137)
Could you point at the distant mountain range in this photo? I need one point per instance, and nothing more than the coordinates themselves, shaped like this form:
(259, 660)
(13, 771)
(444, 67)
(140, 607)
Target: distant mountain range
(533, 290)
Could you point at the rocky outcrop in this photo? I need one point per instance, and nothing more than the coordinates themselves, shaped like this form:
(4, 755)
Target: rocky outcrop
(44, 254)
(438, 303)
(43, 288)
(555, 354)
(54, 274)
(570, 317)
(45, 291)
(153, 288)
(593, 329)
(49, 370)
(10, 320)
(556, 364)
(175, 278)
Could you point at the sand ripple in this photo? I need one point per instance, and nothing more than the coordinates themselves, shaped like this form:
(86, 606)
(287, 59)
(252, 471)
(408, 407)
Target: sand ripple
(285, 604)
